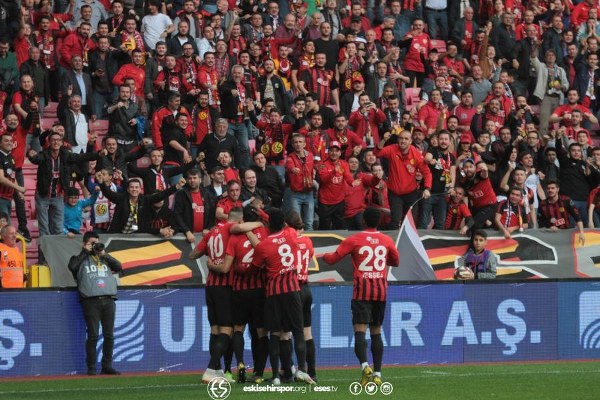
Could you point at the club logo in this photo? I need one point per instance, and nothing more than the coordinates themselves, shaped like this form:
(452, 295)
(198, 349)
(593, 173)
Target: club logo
(218, 388)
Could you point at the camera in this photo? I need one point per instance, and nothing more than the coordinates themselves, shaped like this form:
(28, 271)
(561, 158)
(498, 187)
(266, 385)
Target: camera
(98, 248)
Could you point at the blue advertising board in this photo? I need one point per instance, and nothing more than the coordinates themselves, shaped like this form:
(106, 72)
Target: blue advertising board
(43, 333)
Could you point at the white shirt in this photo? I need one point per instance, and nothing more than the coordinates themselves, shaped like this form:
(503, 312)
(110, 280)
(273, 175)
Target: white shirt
(81, 133)
(204, 45)
(153, 26)
(81, 83)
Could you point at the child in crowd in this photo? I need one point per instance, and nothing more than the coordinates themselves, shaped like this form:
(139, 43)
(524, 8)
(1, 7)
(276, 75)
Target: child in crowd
(478, 262)
(74, 208)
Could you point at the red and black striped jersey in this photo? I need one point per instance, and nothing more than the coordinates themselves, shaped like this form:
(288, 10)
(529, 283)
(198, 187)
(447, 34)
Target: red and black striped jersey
(557, 213)
(321, 82)
(306, 252)
(214, 244)
(277, 253)
(7, 164)
(455, 213)
(594, 198)
(511, 215)
(240, 248)
(372, 253)
(480, 191)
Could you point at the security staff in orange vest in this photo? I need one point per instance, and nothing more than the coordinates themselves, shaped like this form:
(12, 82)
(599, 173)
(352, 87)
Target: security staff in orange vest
(11, 259)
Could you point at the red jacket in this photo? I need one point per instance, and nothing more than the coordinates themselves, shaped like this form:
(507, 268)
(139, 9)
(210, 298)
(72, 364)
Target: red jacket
(333, 188)
(299, 182)
(317, 144)
(359, 124)
(207, 77)
(75, 45)
(138, 74)
(348, 140)
(157, 123)
(430, 115)
(356, 196)
(403, 168)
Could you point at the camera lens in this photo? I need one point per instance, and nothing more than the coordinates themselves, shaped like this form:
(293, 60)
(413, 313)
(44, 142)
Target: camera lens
(98, 247)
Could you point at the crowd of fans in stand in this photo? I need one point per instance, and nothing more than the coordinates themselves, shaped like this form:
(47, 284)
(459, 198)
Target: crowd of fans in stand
(327, 91)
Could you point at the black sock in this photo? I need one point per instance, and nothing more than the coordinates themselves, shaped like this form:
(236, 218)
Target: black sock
(254, 345)
(286, 357)
(228, 355)
(211, 346)
(360, 346)
(377, 351)
(300, 347)
(310, 358)
(274, 354)
(220, 346)
(237, 342)
(262, 353)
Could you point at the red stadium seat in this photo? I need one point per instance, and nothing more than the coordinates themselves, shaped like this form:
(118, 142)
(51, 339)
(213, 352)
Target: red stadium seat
(440, 45)
(50, 110)
(411, 98)
(100, 126)
(47, 122)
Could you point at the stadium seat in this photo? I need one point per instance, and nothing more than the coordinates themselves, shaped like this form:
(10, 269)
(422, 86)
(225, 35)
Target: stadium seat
(440, 45)
(411, 98)
(47, 122)
(100, 126)
(50, 110)
(143, 162)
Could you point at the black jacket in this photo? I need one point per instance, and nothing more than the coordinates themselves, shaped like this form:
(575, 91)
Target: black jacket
(112, 63)
(281, 99)
(270, 181)
(228, 100)
(120, 160)
(68, 161)
(121, 201)
(182, 206)
(67, 119)
(37, 72)
(118, 122)
(153, 220)
(211, 146)
(148, 174)
(175, 47)
(68, 78)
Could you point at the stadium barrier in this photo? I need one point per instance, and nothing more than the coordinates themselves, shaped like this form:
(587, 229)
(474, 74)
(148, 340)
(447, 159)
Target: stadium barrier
(534, 254)
(42, 332)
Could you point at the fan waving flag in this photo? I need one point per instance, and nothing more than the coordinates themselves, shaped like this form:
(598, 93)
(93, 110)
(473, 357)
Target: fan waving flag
(414, 262)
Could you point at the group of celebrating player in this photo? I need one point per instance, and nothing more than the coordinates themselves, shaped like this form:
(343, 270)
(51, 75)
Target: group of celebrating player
(258, 273)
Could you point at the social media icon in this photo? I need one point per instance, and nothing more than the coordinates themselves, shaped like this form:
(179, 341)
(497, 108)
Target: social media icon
(371, 388)
(356, 388)
(386, 388)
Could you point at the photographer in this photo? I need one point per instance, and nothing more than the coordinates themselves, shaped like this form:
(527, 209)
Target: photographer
(97, 290)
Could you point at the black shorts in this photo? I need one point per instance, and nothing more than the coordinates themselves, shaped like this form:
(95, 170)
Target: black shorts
(368, 312)
(249, 307)
(306, 298)
(218, 303)
(283, 312)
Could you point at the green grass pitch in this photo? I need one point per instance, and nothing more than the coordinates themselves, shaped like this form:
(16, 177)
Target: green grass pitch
(536, 381)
